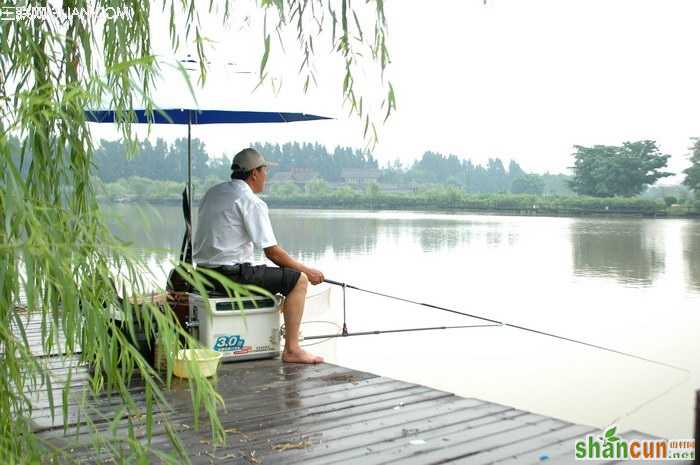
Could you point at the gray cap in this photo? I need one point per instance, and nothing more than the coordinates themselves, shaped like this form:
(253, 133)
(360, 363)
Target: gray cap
(249, 159)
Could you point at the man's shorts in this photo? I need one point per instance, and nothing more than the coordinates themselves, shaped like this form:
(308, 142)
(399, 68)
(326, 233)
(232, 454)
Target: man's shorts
(274, 279)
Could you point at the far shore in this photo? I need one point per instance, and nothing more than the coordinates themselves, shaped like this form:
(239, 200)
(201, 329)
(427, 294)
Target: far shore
(534, 210)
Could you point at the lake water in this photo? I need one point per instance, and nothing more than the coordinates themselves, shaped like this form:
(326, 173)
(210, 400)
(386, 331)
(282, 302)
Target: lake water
(629, 284)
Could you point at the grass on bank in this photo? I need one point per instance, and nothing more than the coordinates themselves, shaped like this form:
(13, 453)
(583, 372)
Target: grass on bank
(136, 189)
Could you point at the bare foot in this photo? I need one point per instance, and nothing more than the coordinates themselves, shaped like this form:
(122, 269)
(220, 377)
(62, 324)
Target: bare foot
(300, 356)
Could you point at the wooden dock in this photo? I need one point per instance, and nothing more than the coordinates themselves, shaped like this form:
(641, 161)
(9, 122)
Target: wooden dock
(278, 413)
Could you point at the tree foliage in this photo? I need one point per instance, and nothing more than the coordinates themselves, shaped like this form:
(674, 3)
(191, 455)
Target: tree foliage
(317, 157)
(56, 253)
(437, 168)
(692, 174)
(607, 171)
(528, 184)
(162, 161)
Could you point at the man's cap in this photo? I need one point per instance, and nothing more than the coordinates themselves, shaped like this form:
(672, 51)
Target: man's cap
(249, 159)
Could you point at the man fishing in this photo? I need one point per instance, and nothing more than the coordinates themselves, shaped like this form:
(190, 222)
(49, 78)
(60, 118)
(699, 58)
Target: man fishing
(231, 220)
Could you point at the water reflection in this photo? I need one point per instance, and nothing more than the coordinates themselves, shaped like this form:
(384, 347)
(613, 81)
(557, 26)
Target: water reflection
(157, 230)
(691, 253)
(435, 238)
(628, 251)
(311, 234)
(436, 234)
(309, 237)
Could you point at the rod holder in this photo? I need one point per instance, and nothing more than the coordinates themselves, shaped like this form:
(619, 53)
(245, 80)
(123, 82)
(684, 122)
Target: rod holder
(345, 326)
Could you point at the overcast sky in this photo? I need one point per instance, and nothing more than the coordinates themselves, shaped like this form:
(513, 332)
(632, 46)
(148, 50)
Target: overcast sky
(515, 79)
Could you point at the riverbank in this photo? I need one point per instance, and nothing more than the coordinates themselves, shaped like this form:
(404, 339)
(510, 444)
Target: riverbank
(501, 204)
(455, 200)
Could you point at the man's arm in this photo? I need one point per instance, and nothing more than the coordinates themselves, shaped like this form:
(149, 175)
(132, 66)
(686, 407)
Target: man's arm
(280, 257)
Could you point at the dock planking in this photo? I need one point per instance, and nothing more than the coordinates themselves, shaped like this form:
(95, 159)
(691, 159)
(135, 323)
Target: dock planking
(278, 413)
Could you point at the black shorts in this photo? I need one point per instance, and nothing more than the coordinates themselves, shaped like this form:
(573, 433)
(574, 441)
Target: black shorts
(271, 278)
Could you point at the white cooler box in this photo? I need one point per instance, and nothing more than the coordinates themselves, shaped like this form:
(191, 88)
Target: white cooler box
(251, 334)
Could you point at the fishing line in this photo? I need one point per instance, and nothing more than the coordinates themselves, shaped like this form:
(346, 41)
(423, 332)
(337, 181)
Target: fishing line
(503, 323)
(519, 327)
(649, 401)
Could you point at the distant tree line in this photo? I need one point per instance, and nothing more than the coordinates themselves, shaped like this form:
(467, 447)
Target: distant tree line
(168, 162)
(450, 170)
(329, 165)
(160, 161)
(599, 171)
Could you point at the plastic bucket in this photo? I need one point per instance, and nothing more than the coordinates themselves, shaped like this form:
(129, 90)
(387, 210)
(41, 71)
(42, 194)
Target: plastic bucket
(205, 359)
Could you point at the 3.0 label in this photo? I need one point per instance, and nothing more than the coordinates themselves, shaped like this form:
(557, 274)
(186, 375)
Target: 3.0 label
(228, 343)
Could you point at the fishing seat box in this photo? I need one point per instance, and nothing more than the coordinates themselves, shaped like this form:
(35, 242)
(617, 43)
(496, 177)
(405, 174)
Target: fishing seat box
(253, 333)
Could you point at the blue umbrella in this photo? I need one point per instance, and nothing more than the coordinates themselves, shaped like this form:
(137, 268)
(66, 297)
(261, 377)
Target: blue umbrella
(182, 116)
(197, 116)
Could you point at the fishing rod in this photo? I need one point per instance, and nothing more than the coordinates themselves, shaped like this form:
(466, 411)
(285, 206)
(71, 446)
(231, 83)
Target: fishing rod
(386, 331)
(482, 318)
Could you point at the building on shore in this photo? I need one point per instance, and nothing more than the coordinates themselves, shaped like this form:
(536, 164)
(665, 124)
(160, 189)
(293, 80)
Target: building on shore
(360, 176)
(299, 176)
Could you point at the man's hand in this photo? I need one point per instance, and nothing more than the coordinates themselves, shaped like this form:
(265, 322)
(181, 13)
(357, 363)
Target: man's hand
(315, 276)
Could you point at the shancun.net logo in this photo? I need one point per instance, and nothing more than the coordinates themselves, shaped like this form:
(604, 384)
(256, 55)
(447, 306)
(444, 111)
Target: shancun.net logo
(610, 446)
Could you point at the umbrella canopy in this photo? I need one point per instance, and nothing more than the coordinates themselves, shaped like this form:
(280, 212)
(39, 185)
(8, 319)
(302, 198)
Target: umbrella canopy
(197, 116)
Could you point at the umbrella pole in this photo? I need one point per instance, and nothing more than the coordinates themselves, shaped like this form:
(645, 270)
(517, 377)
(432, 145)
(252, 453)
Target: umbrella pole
(189, 172)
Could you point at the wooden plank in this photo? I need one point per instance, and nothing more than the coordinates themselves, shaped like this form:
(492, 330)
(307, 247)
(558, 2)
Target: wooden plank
(565, 434)
(99, 410)
(563, 449)
(251, 405)
(247, 399)
(343, 415)
(362, 434)
(265, 449)
(460, 447)
(379, 397)
(568, 459)
(278, 424)
(198, 437)
(193, 441)
(364, 411)
(80, 379)
(180, 397)
(437, 435)
(428, 432)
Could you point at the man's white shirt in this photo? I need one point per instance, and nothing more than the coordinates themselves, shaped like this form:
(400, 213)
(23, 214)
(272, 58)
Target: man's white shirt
(230, 221)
